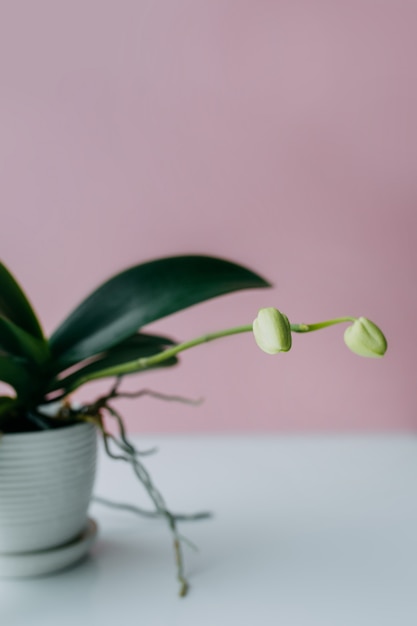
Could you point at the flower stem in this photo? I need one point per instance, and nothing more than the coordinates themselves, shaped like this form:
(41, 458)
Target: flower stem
(307, 328)
(150, 361)
(154, 360)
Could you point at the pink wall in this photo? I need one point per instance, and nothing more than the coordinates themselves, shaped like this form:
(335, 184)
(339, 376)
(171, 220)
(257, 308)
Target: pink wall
(279, 134)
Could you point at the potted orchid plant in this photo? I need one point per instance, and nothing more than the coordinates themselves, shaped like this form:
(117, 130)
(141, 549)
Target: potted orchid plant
(48, 445)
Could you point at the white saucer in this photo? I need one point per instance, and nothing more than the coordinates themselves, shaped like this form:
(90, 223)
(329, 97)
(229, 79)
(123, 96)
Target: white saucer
(28, 564)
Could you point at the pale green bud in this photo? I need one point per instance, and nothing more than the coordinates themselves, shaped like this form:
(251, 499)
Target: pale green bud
(272, 331)
(365, 338)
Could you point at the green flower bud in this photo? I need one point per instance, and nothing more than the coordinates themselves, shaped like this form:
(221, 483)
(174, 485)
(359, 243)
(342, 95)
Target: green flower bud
(365, 339)
(272, 331)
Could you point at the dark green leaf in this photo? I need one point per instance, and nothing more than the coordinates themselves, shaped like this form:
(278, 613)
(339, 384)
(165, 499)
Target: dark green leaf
(143, 294)
(19, 343)
(15, 306)
(6, 403)
(16, 375)
(140, 345)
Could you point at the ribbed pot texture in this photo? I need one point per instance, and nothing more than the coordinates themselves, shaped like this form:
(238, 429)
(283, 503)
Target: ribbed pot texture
(46, 482)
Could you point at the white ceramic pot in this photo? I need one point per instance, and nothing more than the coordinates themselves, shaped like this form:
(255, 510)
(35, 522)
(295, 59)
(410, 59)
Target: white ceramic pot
(46, 482)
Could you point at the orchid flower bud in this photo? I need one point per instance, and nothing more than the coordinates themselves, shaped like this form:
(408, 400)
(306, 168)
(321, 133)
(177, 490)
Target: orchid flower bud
(272, 331)
(365, 338)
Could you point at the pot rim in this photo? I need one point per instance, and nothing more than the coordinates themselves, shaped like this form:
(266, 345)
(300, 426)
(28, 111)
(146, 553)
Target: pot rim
(48, 432)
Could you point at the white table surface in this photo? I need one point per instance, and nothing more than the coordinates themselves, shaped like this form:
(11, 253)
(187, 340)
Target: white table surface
(307, 531)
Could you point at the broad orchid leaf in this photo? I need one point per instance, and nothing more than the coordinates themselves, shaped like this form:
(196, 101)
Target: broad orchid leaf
(143, 294)
(15, 306)
(6, 403)
(136, 347)
(17, 342)
(110, 372)
(15, 374)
